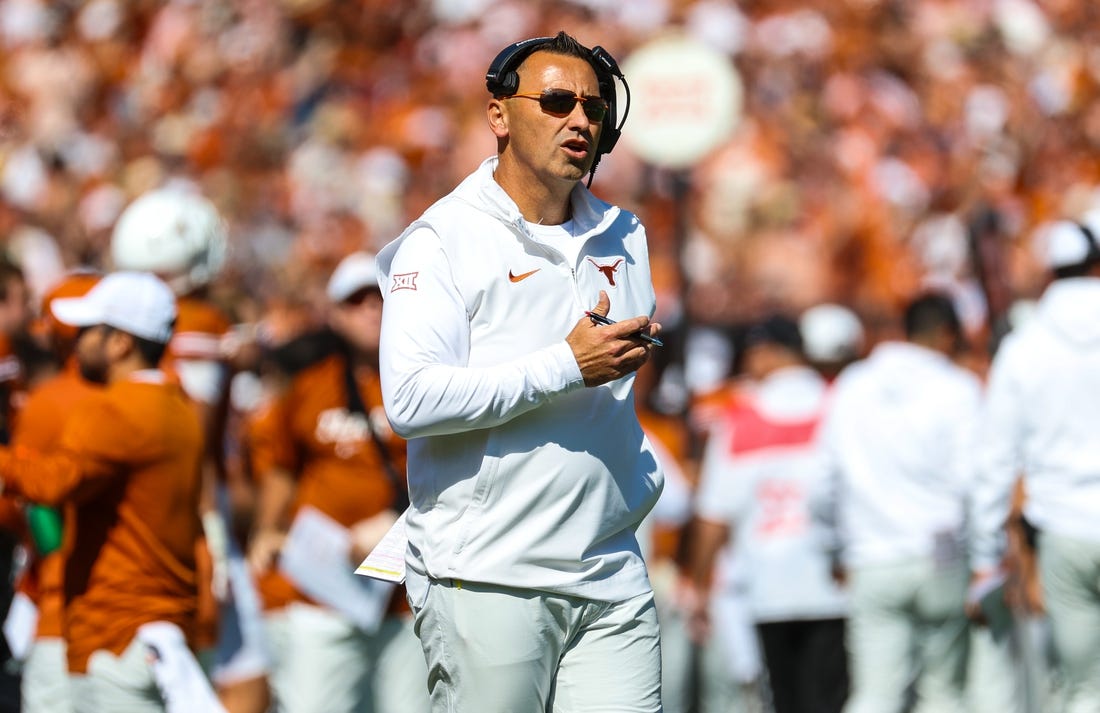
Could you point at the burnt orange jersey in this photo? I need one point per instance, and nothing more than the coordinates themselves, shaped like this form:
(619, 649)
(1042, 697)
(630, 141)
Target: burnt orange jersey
(41, 421)
(200, 330)
(128, 465)
(339, 468)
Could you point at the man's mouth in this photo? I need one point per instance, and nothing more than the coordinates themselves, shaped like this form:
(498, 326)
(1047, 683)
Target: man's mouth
(577, 148)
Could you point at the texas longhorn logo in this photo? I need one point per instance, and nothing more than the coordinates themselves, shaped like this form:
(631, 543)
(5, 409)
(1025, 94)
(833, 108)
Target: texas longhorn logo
(608, 270)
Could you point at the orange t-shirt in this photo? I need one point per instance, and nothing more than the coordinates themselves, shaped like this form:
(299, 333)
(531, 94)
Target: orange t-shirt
(128, 463)
(311, 434)
(194, 359)
(200, 330)
(41, 421)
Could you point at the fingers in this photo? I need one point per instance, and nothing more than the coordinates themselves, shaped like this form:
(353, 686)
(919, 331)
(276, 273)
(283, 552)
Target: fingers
(603, 304)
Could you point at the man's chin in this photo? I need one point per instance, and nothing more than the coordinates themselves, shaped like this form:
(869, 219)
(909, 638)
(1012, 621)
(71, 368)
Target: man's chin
(93, 375)
(574, 172)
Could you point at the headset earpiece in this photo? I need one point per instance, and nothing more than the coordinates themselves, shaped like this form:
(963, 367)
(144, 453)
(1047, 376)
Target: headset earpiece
(1093, 247)
(502, 79)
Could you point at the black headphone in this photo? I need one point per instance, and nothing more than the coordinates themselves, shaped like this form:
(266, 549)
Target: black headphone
(1093, 253)
(502, 80)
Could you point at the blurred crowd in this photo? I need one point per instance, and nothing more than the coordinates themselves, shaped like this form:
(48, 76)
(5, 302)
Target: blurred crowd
(885, 148)
(883, 145)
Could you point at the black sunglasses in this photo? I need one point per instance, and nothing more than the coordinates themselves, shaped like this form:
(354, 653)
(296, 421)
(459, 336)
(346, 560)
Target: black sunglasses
(560, 102)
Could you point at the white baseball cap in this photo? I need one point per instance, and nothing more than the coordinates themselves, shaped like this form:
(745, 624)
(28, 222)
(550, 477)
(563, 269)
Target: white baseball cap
(830, 332)
(138, 303)
(1062, 243)
(355, 272)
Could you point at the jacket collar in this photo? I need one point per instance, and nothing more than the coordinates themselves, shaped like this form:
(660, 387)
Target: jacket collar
(590, 214)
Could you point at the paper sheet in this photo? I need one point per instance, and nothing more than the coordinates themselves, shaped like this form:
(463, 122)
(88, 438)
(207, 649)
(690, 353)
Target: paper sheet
(20, 626)
(317, 558)
(387, 560)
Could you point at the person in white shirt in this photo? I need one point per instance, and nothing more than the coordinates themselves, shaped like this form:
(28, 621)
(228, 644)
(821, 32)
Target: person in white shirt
(1041, 421)
(528, 470)
(897, 436)
(759, 471)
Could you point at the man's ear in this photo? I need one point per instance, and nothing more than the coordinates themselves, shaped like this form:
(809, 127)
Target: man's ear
(498, 118)
(119, 345)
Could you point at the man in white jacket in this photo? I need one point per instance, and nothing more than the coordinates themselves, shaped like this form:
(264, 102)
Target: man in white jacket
(897, 438)
(1041, 420)
(528, 471)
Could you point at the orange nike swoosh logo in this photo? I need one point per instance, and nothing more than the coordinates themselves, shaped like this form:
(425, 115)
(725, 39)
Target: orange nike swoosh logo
(524, 276)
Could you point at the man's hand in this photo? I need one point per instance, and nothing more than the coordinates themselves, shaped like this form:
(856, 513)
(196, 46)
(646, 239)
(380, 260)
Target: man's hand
(367, 533)
(606, 353)
(984, 583)
(264, 548)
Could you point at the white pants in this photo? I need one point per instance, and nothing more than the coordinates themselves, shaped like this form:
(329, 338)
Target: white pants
(242, 652)
(1070, 574)
(156, 673)
(322, 663)
(995, 672)
(502, 650)
(907, 620)
(45, 687)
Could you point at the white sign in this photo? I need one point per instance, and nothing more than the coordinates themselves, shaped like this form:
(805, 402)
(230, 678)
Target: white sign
(316, 557)
(686, 100)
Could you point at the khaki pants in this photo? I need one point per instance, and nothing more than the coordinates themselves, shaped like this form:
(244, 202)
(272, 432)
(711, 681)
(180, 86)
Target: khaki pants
(907, 620)
(156, 673)
(502, 650)
(323, 663)
(45, 686)
(1070, 573)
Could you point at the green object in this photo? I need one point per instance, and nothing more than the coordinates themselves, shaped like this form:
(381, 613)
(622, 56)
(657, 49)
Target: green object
(45, 526)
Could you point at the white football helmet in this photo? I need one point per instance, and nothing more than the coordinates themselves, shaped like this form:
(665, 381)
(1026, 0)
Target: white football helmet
(174, 233)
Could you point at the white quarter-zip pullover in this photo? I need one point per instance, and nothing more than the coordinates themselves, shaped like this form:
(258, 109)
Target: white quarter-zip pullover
(761, 468)
(518, 474)
(899, 439)
(1042, 421)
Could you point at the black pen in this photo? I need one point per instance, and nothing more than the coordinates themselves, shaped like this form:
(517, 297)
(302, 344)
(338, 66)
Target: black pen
(600, 319)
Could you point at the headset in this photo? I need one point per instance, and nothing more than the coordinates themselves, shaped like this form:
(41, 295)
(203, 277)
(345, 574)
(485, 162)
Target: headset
(502, 80)
(1093, 254)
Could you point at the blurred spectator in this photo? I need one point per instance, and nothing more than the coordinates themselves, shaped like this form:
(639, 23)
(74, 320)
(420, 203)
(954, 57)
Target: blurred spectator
(760, 470)
(1037, 424)
(331, 461)
(179, 235)
(832, 337)
(898, 439)
(45, 686)
(127, 469)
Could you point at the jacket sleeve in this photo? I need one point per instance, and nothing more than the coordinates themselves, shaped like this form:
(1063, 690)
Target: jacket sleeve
(997, 464)
(427, 387)
(94, 444)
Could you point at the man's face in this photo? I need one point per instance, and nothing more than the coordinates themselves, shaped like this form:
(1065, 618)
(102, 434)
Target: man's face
(358, 319)
(554, 147)
(91, 353)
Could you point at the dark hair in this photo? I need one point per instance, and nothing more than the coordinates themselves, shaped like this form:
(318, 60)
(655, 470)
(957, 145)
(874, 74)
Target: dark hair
(929, 313)
(567, 45)
(152, 352)
(8, 271)
(777, 329)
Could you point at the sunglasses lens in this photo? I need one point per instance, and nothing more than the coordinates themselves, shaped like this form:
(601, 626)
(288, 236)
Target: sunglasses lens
(561, 103)
(595, 109)
(557, 102)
